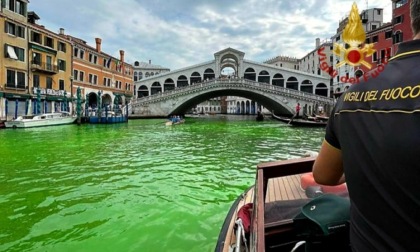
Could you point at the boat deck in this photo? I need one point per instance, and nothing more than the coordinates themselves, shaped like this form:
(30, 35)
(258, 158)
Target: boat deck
(285, 188)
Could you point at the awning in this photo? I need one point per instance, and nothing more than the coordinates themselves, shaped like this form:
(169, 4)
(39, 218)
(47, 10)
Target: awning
(42, 49)
(11, 52)
(55, 98)
(18, 96)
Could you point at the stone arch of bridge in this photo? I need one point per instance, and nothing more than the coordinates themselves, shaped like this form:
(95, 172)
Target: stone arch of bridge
(279, 106)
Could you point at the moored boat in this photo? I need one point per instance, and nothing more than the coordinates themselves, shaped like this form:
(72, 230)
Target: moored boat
(301, 122)
(277, 218)
(47, 119)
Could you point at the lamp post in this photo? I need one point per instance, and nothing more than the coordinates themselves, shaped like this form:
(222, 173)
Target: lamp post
(71, 94)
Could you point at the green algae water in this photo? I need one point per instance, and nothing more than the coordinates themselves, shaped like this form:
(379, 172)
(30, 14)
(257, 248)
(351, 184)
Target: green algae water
(140, 186)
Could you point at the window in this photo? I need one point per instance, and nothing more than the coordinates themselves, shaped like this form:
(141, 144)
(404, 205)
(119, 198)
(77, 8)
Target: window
(35, 80)
(61, 84)
(388, 34)
(10, 28)
(17, 6)
(49, 82)
(93, 58)
(374, 27)
(93, 79)
(76, 52)
(61, 46)
(36, 37)
(15, 79)
(400, 3)
(399, 19)
(398, 37)
(337, 38)
(36, 58)
(14, 52)
(75, 74)
(82, 76)
(105, 81)
(375, 57)
(367, 41)
(109, 83)
(375, 39)
(49, 42)
(383, 55)
(62, 65)
(20, 53)
(82, 54)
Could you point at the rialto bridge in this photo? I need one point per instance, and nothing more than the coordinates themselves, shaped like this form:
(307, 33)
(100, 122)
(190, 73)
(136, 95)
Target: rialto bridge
(276, 88)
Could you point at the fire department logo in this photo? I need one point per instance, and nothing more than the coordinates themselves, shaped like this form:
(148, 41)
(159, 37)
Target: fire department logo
(354, 36)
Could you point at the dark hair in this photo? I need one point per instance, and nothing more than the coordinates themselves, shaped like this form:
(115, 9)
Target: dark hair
(415, 16)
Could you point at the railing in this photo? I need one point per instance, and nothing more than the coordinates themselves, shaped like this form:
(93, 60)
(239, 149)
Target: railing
(235, 83)
(44, 67)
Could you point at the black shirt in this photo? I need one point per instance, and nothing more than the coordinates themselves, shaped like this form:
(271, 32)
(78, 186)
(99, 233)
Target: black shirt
(376, 124)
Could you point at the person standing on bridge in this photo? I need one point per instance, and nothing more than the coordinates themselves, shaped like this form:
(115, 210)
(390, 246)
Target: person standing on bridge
(375, 142)
(297, 110)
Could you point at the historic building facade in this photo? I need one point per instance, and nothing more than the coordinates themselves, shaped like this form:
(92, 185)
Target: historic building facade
(14, 88)
(99, 75)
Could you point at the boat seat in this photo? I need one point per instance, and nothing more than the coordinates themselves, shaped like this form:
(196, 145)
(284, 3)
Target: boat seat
(307, 180)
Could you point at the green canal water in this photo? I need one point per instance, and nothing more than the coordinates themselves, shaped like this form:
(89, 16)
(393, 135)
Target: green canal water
(140, 186)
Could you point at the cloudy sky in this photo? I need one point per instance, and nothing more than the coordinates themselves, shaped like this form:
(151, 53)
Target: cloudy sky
(181, 33)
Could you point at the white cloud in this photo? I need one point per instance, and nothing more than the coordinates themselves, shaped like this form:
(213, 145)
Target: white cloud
(181, 33)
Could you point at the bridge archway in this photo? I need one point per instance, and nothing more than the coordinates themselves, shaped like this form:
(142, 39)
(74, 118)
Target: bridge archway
(230, 60)
(195, 78)
(292, 83)
(278, 80)
(209, 74)
(321, 89)
(143, 91)
(182, 81)
(264, 77)
(156, 88)
(262, 99)
(168, 85)
(250, 74)
(307, 86)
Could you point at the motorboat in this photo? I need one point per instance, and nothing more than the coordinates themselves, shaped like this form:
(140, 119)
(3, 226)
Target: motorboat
(47, 119)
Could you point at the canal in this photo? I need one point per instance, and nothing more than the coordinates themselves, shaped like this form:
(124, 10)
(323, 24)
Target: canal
(140, 186)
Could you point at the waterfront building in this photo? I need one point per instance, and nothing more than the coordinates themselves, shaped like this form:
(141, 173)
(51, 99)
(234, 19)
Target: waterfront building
(145, 70)
(49, 58)
(100, 75)
(310, 63)
(14, 89)
(284, 61)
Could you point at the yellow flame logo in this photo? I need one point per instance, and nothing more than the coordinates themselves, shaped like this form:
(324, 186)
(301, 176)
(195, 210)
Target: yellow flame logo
(354, 35)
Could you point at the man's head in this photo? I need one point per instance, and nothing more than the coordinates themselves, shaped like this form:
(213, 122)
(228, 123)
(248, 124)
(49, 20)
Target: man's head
(415, 16)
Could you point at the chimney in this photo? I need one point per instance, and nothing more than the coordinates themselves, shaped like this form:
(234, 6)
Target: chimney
(317, 42)
(98, 44)
(150, 62)
(122, 61)
(61, 31)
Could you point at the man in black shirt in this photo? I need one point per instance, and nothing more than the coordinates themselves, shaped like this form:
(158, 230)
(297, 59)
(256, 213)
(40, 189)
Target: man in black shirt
(373, 137)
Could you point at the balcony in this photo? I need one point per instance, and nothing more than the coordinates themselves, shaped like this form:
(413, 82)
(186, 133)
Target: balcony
(37, 66)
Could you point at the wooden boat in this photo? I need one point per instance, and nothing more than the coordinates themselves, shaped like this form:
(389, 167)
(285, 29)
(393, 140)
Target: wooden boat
(260, 117)
(281, 118)
(47, 119)
(277, 199)
(301, 122)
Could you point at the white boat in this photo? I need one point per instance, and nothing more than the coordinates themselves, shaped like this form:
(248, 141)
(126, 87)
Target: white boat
(47, 119)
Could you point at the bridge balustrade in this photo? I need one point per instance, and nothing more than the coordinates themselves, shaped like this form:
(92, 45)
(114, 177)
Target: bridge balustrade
(233, 83)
